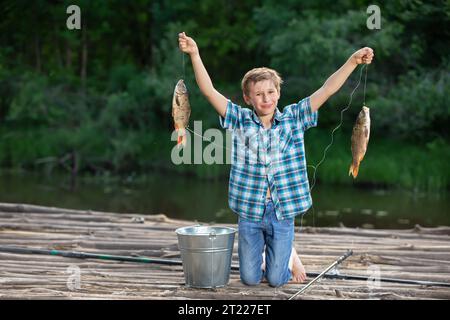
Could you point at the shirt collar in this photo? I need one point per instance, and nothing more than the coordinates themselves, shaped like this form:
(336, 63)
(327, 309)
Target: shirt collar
(276, 117)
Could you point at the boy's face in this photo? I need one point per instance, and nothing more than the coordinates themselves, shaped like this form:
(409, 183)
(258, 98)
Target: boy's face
(263, 96)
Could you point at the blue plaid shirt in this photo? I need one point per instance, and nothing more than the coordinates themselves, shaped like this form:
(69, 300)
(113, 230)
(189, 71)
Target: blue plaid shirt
(269, 158)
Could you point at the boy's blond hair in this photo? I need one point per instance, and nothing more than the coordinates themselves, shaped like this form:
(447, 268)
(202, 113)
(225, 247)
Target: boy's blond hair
(260, 74)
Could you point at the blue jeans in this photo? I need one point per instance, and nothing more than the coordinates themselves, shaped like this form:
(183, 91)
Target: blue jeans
(273, 234)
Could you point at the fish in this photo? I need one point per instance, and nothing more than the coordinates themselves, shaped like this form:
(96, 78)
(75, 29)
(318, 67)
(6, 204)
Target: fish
(359, 140)
(181, 111)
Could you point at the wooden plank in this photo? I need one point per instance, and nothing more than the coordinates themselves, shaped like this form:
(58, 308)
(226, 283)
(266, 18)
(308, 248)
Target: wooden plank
(418, 253)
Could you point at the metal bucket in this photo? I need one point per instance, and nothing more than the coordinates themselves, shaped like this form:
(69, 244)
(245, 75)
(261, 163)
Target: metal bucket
(206, 254)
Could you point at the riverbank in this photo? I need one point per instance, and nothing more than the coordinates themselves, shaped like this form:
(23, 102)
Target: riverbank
(420, 167)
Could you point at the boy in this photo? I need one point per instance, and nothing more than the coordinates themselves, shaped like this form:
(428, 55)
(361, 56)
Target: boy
(270, 191)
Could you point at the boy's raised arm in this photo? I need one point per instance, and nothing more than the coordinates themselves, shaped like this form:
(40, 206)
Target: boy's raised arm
(204, 82)
(337, 79)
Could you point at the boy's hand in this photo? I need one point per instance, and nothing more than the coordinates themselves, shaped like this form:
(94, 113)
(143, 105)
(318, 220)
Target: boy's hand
(187, 44)
(364, 55)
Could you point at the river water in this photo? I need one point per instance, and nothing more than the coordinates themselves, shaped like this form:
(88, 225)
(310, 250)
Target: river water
(206, 201)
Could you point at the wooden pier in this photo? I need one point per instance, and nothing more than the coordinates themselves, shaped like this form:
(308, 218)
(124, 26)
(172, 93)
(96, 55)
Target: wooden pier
(418, 254)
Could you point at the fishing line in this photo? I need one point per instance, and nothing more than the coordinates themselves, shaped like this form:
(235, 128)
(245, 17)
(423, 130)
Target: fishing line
(365, 81)
(332, 138)
(187, 128)
(184, 66)
(336, 128)
(204, 138)
(226, 148)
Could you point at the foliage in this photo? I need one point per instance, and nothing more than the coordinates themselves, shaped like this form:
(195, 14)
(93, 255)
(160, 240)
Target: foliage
(104, 92)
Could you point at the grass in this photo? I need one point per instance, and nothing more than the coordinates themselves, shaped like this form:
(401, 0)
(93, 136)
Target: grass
(387, 163)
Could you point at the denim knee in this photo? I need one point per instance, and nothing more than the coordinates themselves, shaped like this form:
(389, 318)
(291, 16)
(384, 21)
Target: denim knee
(275, 279)
(250, 279)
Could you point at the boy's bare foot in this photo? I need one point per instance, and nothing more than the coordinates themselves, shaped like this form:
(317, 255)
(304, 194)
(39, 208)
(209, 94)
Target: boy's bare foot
(295, 265)
(298, 270)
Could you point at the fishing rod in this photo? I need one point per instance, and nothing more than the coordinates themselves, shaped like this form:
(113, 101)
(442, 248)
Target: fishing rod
(392, 280)
(173, 262)
(333, 265)
(87, 255)
(363, 278)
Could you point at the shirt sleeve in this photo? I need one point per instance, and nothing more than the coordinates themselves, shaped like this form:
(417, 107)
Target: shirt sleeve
(233, 117)
(305, 115)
